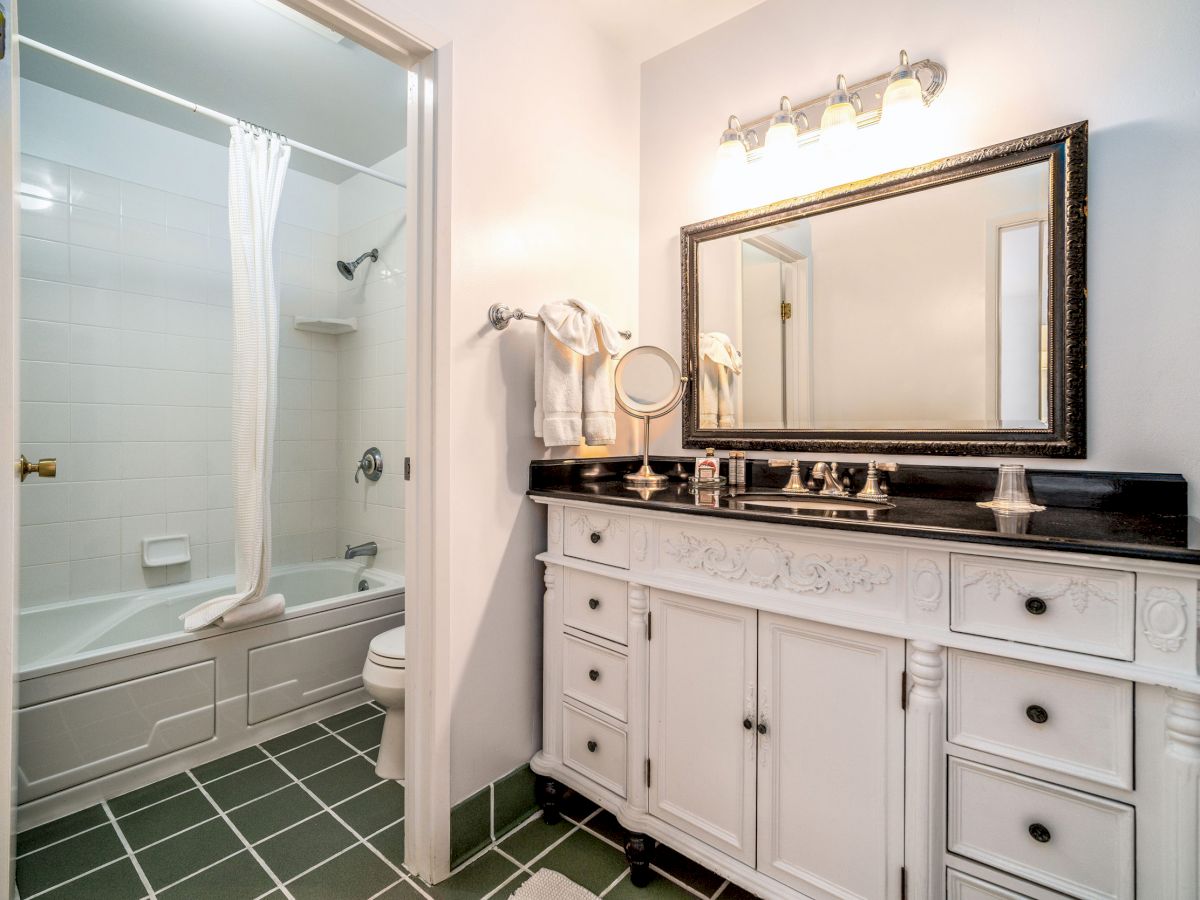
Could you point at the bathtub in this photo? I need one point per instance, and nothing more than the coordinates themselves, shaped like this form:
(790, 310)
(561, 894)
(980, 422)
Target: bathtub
(113, 694)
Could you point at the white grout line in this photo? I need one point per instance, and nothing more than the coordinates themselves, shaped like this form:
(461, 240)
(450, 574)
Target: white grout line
(241, 837)
(176, 833)
(60, 840)
(362, 753)
(619, 879)
(721, 889)
(54, 887)
(204, 869)
(129, 850)
(134, 812)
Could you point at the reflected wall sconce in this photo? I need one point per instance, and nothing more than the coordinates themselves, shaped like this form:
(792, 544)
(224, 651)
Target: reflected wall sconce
(893, 97)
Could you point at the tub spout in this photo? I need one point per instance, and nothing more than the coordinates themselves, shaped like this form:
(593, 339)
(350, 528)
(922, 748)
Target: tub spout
(370, 548)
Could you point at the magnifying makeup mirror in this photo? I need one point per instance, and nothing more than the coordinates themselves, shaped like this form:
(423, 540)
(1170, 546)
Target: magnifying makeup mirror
(649, 385)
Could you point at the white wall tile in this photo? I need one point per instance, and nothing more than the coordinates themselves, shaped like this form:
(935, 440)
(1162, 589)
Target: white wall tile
(95, 228)
(95, 191)
(93, 306)
(47, 260)
(44, 219)
(48, 301)
(145, 203)
(45, 178)
(45, 381)
(95, 268)
(95, 538)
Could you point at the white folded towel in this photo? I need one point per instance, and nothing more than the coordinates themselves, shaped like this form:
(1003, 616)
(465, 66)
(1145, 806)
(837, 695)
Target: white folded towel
(230, 611)
(720, 361)
(574, 393)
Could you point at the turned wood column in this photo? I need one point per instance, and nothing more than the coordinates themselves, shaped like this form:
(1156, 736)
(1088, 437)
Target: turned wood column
(925, 771)
(1181, 801)
(639, 654)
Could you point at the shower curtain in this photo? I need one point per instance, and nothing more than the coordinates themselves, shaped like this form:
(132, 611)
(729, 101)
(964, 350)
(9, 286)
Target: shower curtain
(258, 161)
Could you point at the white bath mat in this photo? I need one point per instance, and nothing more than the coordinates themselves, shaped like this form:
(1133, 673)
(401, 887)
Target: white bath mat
(546, 884)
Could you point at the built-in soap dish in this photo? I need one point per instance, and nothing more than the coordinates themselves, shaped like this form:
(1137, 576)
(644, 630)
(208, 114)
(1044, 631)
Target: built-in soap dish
(167, 550)
(326, 325)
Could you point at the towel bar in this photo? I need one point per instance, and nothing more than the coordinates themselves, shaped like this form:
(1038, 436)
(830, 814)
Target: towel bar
(500, 315)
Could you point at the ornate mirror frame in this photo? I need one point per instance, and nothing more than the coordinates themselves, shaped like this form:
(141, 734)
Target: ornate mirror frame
(1065, 149)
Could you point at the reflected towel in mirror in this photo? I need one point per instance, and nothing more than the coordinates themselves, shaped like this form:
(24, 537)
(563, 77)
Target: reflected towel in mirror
(720, 363)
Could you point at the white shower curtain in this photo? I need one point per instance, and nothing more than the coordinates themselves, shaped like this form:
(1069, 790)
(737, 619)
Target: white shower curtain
(258, 162)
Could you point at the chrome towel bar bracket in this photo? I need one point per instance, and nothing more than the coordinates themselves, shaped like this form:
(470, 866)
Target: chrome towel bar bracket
(500, 315)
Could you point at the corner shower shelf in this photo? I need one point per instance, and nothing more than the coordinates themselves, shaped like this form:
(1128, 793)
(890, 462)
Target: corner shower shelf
(326, 326)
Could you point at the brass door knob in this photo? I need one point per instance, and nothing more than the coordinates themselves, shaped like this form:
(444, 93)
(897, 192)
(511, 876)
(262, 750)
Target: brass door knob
(43, 468)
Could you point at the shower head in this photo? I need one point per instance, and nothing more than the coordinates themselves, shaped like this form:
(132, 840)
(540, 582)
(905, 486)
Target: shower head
(347, 268)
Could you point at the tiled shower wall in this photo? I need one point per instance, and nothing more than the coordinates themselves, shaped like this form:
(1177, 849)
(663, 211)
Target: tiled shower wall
(126, 379)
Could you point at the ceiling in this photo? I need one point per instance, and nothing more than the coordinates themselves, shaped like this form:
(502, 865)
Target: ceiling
(646, 28)
(241, 57)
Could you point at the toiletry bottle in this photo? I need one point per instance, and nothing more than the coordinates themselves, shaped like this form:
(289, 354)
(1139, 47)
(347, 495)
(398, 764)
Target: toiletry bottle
(732, 476)
(707, 466)
(740, 465)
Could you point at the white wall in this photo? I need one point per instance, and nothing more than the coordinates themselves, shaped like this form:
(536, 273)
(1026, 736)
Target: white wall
(543, 137)
(1015, 68)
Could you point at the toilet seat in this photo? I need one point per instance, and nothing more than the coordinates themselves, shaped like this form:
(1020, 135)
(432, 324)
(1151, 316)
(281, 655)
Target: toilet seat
(387, 649)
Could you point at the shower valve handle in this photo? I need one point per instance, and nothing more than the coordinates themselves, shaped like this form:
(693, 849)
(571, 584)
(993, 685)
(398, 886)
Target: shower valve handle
(370, 465)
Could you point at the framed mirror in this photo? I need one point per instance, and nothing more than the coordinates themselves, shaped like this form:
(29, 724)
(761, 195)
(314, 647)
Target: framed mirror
(938, 309)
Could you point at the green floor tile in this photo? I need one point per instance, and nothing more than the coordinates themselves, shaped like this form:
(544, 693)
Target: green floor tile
(659, 888)
(273, 813)
(151, 793)
(315, 756)
(690, 873)
(355, 875)
(733, 892)
(530, 840)
(60, 828)
(239, 878)
(300, 848)
(586, 860)
(116, 881)
(511, 885)
(343, 780)
(364, 735)
(230, 763)
(185, 854)
(477, 880)
(164, 819)
(390, 842)
(375, 809)
(513, 799)
(350, 717)
(241, 787)
(59, 862)
(401, 891)
(292, 739)
(606, 825)
(470, 826)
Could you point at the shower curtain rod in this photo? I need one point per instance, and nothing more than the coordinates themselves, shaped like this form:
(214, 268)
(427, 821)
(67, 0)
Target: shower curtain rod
(194, 107)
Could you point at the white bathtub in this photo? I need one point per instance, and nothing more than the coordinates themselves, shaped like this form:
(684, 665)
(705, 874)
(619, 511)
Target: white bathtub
(114, 694)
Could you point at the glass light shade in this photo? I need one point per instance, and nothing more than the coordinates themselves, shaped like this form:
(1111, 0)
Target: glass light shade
(731, 152)
(902, 101)
(838, 125)
(781, 137)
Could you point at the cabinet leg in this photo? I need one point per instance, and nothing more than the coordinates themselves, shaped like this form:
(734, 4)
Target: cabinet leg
(549, 797)
(639, 853)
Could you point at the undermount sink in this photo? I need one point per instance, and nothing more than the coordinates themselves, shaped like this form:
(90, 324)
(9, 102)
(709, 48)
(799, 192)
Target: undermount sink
(816, 503)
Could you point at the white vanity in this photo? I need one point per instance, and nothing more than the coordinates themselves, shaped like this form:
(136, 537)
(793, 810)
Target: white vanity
(814, 712)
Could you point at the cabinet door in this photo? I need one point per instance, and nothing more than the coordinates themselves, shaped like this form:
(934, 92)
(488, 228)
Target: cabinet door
(702, 688)
(831, 763)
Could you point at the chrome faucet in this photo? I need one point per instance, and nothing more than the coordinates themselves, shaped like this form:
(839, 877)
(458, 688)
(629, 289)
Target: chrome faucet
(828, 472)
(370, 548)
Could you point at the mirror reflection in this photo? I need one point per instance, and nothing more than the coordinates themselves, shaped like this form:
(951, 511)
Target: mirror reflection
(925, 311)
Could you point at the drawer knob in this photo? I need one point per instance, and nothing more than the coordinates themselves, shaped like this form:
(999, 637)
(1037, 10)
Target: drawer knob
(1037, 714)
(593, 603)
(762, 727)
(595, 537)
(594, 674)
(1039, 833)
(747, 724)
(593, 746)
(1035, 606)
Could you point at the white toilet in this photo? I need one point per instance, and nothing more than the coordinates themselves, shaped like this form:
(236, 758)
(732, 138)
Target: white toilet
(383, 677)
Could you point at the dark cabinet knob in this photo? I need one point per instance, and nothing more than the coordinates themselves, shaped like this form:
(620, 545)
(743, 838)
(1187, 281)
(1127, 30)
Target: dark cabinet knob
(594, 674)
(1039, 833)
(747, 724)
(593, 603)
(1037, 714)
(1035, 606)
(595, 537)
(762, 727)
(592, 745)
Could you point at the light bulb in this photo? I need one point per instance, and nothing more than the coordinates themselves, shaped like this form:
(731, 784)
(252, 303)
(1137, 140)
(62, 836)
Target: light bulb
(903, 100)
(781, 135)
(732, 149)
(839, 121)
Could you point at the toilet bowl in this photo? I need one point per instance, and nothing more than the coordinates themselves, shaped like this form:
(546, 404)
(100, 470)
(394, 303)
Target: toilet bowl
(383, 677)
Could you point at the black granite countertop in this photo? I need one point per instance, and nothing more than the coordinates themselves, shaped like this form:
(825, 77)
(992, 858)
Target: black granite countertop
(1136, 516)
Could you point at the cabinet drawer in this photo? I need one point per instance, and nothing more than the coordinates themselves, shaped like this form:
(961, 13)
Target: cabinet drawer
(597, 605)
(598, 537)
(967, 887)
(1070, 722)
(596, 676)
(1066, 840)
(1072, 608)
(594, 748)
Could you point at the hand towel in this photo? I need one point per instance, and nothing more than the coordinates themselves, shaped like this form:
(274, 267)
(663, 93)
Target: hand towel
(575, 396)
(720, 361)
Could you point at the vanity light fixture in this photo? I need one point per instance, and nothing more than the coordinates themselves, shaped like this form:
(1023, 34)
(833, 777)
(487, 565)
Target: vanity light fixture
(894, 96)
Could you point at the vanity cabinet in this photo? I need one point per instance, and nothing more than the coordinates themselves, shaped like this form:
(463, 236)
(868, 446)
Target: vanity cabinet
(834, 714)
